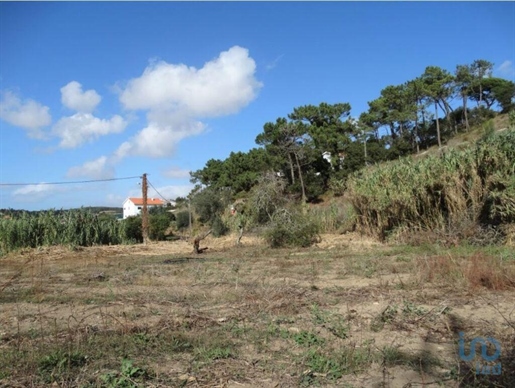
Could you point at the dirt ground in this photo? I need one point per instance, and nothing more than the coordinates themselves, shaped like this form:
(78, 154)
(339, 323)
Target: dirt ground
(349, 312)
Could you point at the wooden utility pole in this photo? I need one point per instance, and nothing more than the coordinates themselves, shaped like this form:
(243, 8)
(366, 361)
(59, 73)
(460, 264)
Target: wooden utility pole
(144, 210)
(189, 217)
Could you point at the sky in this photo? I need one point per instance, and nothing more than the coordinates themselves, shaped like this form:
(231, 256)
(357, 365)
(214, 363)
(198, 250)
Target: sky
(97, 91)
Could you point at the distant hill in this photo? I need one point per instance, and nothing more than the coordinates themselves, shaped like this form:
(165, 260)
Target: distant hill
(92, 209)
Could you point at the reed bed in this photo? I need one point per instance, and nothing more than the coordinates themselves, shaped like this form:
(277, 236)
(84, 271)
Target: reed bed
(74, 228)
(472, 186)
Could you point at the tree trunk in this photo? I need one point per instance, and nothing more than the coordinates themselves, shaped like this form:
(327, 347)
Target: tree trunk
(198, 239)
(365, 148)
(465, 112)
(416, 135)
(437, 125)
(301, 179)
(291, 169)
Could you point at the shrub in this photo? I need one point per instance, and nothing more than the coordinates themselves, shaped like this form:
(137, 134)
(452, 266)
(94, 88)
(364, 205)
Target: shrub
(265, 198)
(207, 204)
(291, 229)
(133, 229)
(182, 219)
(219, 227)
(158, 224)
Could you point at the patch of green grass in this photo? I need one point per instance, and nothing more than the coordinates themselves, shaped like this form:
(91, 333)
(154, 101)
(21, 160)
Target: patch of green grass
(58, 365)
(334, 323)
(410, 309)
(332, 365)
(129, 376)
(210, 353)
(308, 339)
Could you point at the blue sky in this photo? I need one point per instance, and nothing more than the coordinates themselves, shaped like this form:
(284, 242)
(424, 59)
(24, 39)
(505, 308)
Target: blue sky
(112, 90)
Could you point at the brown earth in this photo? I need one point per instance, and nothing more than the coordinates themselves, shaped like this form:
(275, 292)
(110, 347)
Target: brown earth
(347, 312)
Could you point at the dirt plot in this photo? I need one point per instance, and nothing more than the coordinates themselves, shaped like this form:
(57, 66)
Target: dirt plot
(348, 312)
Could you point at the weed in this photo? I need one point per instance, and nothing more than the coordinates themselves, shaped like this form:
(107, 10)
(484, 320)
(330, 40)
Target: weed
(127, 377)
(386, 316)
(215, 353)
(410, 308)
(58, 365)
(308, 339)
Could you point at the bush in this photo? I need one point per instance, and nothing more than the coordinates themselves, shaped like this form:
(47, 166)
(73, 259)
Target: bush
(182, 219)
(265, 198)
(219, 227)
(158, 224)
(291, 229)
(133, 229)
(207, 204)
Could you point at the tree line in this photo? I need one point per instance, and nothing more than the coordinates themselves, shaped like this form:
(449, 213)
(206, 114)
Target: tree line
(315, 148)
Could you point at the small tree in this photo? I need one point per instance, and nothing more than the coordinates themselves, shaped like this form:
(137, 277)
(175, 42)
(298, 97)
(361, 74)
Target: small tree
(182, 219)
(133, 230)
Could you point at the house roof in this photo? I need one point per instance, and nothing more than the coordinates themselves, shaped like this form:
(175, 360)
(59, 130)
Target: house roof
(150, 201)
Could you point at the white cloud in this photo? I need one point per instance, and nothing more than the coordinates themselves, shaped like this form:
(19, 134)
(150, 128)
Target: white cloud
(159, 138)
(114, 200)
(33, 189)
(274, 63)
(168, 192)
(99, 168)
(176, 173)
(173, 191)
(506, 69)
(222, 86)
(74, 98)
(33, 193)
(28, 114)
(177, 96)
(83, 127)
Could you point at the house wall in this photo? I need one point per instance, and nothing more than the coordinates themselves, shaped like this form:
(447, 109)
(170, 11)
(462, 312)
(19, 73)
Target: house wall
(130, 209)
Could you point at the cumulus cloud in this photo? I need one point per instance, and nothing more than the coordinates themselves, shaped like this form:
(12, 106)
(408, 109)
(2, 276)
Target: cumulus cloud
(84, 127)
(27, 114)
(222, 86)
(177, 96)
(160, 137)
(74, 98)
(176, 173)
(506, 69)
(99, 168)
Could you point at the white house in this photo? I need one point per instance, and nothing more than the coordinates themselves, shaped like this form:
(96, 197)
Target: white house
(132, 206)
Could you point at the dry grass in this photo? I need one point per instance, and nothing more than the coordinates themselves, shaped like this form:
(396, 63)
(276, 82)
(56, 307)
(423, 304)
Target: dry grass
(349, 312)
(479, 271)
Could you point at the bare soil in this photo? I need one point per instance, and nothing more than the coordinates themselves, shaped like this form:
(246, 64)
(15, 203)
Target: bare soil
(347, 312)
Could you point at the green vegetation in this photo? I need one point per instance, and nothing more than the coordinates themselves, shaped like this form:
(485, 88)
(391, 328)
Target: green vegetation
(76, 228)
(73, 228)
(320, 151)
(454, 192)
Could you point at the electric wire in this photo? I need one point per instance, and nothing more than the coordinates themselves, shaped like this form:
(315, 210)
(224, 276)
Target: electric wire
(70, 182)
(158, 193)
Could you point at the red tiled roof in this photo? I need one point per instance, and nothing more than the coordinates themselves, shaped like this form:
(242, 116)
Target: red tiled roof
(150, 201)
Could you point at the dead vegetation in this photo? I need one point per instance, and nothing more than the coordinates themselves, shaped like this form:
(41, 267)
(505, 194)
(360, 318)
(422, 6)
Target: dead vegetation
(347, 312)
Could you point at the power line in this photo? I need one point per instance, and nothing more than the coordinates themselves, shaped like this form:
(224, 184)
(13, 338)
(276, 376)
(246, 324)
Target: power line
(158, 193)
(71, 183)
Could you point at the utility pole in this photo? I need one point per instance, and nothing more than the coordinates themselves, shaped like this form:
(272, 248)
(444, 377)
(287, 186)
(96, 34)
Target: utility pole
(189, 215)
(144, 210)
